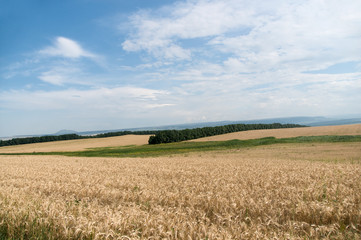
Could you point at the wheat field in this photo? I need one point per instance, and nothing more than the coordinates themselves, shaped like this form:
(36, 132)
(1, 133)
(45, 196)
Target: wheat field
(284, 191)
(77, 144)
(352, 129)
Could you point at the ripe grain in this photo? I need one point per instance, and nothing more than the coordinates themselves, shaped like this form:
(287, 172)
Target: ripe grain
(294, 191)
(78, 144)
(354, 129)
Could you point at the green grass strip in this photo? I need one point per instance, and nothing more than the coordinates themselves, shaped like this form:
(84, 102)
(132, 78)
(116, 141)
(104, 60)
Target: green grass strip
(186, 147)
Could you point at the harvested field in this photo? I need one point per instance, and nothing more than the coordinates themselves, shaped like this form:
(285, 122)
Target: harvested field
(286, 191)
(354, 129)
(78, 144)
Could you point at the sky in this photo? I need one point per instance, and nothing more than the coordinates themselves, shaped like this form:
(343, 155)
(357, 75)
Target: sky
(113, 64)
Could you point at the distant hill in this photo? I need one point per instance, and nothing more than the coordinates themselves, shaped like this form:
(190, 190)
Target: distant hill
(336, 122)
(64, 131)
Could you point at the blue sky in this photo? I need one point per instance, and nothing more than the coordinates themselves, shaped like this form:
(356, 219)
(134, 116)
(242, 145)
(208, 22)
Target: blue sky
(112, 64)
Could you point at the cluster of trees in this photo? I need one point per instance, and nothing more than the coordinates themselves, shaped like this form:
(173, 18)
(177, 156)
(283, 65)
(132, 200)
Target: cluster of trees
(122, 133)
(168, 136)
(51, 138)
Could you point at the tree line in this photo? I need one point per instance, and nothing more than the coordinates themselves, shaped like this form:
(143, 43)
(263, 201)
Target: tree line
(51, 138)
(169, 136)
(160, 136)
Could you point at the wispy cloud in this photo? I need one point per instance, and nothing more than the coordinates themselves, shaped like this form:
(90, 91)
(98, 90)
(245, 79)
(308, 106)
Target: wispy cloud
(159, 32)
(299, 36)
(253, 53)
(64, 62)
(119, 98)
(256, 36)
(62, 74)
(65, 47)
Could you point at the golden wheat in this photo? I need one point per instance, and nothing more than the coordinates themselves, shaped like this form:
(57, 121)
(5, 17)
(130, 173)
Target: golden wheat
(293, 191)
(78, 144)
(354, 129)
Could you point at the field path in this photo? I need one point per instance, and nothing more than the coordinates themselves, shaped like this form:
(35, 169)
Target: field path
(354, 129)
(78, 144)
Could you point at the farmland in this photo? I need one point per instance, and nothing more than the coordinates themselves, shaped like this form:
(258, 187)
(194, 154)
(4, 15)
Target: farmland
(342, 130)
(78, 144)
(280, 191)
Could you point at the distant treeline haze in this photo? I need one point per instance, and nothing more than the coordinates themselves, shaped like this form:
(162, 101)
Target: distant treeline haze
(163, 136)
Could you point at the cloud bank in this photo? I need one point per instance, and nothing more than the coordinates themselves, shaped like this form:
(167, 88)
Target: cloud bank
(256, 36)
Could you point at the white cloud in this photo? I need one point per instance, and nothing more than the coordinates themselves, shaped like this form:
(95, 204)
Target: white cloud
(254, 98)
(52, 78)
(303, 36)
(106, 99)
(92, 109)
(151, 106)
(251, 55)
(48, 67)
(227, 97)
(189, 20)
(64, 73)
(65, 47)
(260, 35)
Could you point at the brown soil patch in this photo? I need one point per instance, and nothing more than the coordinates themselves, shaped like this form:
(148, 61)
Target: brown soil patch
(354, 129)
(78, 144)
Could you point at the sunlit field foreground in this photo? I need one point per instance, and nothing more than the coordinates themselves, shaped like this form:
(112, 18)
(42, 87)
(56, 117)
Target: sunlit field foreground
(281, 191)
